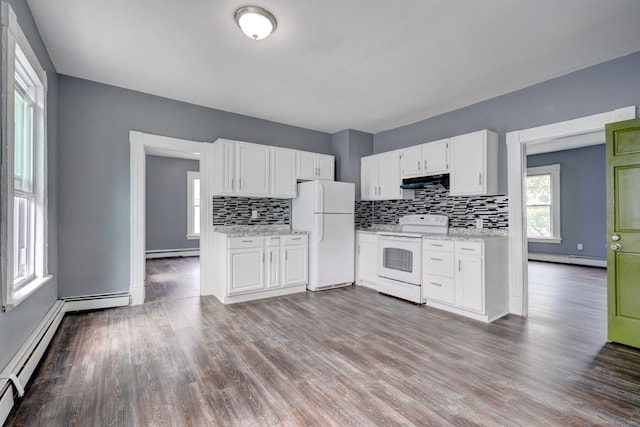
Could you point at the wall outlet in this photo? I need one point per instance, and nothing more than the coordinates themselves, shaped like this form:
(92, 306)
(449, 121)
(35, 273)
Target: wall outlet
(479, 223)
(254, 214)
(580, 247)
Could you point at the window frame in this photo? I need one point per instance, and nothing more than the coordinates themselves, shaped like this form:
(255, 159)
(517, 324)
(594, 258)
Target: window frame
(554, 172)
(22, 64)
(191, 176)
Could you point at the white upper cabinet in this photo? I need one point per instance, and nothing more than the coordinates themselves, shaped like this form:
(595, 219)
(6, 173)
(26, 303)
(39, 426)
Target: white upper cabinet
(283, 172)
(255, 170)
(224, 154)
(474, 164)
(315, 166)
(252, 169)
(431, 158)
(380, 177)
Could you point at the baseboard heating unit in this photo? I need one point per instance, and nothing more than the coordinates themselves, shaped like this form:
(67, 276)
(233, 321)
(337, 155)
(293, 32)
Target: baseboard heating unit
(20, 368)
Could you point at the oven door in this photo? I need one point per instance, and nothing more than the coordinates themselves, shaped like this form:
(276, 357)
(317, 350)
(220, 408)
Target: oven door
(399, 258)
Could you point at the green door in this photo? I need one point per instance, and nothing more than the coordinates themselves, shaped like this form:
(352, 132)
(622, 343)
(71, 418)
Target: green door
(623, 231)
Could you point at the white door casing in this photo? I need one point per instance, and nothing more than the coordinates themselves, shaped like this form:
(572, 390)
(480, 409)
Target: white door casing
(142, 144)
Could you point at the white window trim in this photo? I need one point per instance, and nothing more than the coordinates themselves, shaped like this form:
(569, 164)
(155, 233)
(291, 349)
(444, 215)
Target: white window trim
(554, 171)
(191, 175)
(12, 35)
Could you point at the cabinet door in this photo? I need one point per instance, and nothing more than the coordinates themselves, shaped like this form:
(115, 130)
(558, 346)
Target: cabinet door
(253, 169)
(389, 176)
(368, 259)
(325, 167)
(468, 164)
(246, 270)
(225, 162)
(369, 178)
(470, 283)
(295, 269)
(283, 173)
(273, 267)
(411, 164)
(306, 165)
(435, 157)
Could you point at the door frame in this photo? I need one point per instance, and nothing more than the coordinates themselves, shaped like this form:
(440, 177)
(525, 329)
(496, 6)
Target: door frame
(563, 136)
(142, 144)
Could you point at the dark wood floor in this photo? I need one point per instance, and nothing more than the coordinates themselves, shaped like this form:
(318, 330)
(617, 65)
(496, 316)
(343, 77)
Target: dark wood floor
(172, 278)
(347, 356)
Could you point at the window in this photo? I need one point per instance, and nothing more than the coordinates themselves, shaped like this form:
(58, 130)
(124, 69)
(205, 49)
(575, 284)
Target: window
(543, 204)
(193, 205)
(24, 199)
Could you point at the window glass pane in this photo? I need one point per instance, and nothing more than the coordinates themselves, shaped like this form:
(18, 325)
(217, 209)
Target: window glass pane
(196, 192)
(23, 142)
(196, 220)
(23, 238)
(539, 221)
(539, 189)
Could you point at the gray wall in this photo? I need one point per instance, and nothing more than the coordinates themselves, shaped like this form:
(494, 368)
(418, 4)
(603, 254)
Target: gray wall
(94, 124)
(583, 206)
(600, 88)
(349, 146)
(166, 202)
(17, 325)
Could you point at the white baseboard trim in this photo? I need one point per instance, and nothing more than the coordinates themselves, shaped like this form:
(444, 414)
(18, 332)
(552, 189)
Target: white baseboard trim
(96, 302)
(170, 253)
(568, 259)
(26, 360)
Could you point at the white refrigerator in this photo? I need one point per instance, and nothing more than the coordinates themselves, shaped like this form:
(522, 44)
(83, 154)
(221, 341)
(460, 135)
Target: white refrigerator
(325, 210)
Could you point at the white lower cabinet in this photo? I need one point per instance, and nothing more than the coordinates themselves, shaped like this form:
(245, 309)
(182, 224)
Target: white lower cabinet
(367, 259)
(250, 268)
(469, 278)
(295, 256)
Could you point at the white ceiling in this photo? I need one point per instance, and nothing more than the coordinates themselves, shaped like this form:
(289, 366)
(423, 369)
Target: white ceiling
(369, 65)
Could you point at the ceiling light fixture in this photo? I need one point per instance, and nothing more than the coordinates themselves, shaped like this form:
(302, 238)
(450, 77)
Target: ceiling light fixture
(257, 23)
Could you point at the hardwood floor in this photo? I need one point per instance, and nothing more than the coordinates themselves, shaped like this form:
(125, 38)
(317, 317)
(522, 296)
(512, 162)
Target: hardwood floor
(172, 278)
(347, 356)
(570, 296)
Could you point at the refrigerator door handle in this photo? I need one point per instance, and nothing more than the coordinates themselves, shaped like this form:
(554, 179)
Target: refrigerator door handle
(320, 198)
(320, 228)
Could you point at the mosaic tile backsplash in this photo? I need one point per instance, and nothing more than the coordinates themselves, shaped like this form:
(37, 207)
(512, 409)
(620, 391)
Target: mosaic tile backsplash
(462, 211)
(237, 211)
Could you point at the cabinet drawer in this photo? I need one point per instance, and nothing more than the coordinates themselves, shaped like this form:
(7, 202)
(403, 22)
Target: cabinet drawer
(295, 239)
(438, 263)
(469, 248)
(272, 241)
(245, 242)
(438, 288)
(437, 245)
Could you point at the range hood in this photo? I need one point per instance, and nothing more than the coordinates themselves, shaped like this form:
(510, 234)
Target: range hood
(426, 181)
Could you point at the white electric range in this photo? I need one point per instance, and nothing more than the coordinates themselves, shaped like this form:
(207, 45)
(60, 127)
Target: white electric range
(400, 255)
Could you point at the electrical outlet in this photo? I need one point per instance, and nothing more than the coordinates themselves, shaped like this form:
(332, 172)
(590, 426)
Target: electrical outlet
(479, 223)
(580, 247)
(254, 214)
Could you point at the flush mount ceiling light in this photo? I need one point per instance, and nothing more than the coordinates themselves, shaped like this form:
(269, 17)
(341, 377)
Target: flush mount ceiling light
(256, 22)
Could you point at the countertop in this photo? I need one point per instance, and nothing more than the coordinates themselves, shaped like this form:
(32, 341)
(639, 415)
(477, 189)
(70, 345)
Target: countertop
(256, 230)
(455, 234)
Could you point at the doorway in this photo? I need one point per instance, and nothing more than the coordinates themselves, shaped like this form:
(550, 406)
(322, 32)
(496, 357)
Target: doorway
(563, 135)
(143, 144)
(172, 231)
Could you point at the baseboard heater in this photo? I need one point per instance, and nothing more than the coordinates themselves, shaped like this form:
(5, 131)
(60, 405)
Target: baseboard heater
(170, 253)
(20, 368)
(568, 259)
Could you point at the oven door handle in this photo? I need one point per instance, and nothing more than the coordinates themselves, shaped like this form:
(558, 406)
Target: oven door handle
(399, 239)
